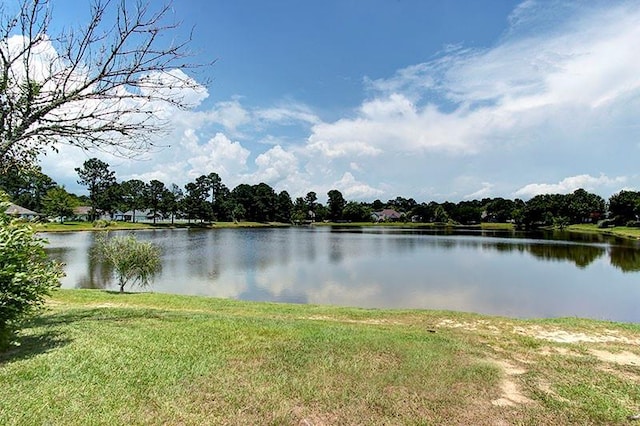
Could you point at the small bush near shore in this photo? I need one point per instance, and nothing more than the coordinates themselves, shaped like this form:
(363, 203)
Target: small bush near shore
(101, 223)
(133, 261)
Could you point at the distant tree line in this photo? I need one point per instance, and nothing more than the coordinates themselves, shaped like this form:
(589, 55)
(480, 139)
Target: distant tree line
(208, 199)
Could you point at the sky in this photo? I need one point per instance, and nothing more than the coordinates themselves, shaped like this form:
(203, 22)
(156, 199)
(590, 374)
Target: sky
(443, 100)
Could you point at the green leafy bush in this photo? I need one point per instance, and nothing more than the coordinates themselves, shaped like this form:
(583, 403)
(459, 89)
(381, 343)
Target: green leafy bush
(132, 261)
(101, 223)
(27, 276)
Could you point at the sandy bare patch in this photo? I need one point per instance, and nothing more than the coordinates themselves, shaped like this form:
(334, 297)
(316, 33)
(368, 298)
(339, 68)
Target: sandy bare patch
(511, 394)
(467, 325)
(621, 358)
(623, 375)
(552, 335)
(548, 351)
(110, 305)
(563, 336)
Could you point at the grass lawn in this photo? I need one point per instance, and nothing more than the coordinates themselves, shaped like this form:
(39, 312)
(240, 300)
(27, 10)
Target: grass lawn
(101, 358)
(115, 226)
(483, 225)
(620, 231)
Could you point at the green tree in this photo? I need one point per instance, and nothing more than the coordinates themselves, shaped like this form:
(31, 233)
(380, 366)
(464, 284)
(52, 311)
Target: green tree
(336, 204)
(27, 276)
(58, 203)
(216, 191)
(356, 212)
(311, 201)
(542, 209)
(583, 207)
(300, 210)
(264, 203)
(26, 186)
(321, 212)
(238, 212)
(284, 207)
(440, 214)
(204, 186)
(171, 199)
(133, 261)
(194, 202)
(402, 204)
(243, 195)
(499, 210)
(132, 196)
(624, 206)
(153, 196)
(466, 212)
(101, 182)
(377, 205)
(423, 212)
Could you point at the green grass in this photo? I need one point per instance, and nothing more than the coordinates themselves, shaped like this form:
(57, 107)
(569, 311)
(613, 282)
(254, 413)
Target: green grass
(484, 225)
(86, 226)
(100, 358)
(620, 231)
(114, 226)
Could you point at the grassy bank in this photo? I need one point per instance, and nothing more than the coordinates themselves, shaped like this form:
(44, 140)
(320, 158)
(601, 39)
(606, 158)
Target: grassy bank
(100, 358)
(117, 226)
(483, 225)
(618, 231)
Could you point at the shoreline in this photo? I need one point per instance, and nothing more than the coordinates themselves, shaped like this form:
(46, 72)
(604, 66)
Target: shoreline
(619, 231)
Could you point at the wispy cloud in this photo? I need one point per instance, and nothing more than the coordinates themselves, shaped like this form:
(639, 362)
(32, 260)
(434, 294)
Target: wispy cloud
(485, 191)
(526, 83)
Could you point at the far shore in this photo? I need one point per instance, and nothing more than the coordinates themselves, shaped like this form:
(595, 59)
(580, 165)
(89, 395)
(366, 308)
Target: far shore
(618, 231)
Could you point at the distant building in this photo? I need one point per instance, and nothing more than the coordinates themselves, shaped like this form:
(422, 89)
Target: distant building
(21, 212)
(82, 213)
(386, 215)
(140, 216)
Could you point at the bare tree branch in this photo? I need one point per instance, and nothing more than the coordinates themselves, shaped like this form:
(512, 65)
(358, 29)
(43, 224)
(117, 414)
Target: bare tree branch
(97, 86)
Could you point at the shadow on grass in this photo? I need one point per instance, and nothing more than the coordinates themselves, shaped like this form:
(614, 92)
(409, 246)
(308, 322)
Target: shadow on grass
(48, 330)
(119, 292)
(33, 345)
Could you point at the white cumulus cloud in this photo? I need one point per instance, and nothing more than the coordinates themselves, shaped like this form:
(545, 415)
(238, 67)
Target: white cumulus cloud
(570, 184)
(221, 155)
(355, 190)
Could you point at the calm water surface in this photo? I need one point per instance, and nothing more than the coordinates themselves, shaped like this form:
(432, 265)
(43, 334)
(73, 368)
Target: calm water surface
(503, 273)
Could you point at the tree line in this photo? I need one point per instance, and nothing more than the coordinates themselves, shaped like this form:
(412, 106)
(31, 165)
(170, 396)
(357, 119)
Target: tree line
(208, 199)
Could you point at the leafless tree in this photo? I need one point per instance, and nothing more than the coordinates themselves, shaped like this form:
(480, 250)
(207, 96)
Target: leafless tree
(103, 85)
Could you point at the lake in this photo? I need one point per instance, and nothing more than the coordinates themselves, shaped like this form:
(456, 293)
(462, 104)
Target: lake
(524, 275)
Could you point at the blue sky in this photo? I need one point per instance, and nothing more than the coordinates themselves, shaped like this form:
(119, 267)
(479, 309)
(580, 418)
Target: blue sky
(435, 100)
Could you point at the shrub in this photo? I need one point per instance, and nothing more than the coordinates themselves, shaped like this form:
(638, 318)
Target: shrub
(633, 224)
(101, 223)
(132, 260)
(606, 223)
(27, 276)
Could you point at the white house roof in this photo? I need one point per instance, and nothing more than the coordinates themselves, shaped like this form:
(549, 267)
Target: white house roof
(16, 210)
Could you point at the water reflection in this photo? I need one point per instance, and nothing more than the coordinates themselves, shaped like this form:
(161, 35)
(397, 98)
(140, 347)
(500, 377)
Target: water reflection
(625, 258)
(504, 273)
